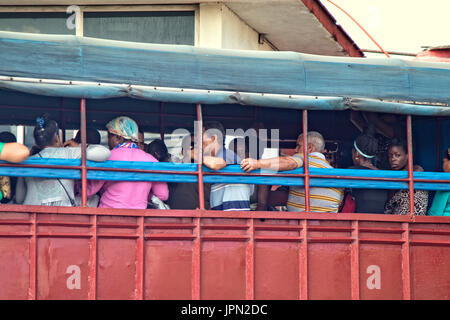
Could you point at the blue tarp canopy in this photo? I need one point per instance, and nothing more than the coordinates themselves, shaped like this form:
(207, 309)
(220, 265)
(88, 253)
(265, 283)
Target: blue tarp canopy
(78, 67)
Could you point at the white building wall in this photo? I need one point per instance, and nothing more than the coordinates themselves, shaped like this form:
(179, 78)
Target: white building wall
(220, 27)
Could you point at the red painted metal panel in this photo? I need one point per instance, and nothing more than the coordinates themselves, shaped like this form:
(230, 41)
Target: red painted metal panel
(168, 269)
(277, 270)
(14, 268)
(85, 253)
(380, 274)
(62, 268)
(330, 273)
(116, 269)
(430, 272)
(223, 270)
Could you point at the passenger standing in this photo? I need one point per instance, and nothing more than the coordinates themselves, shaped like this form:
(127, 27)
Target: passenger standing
(185, 195)
(441, 201)
(364, 150)
(224, 196)
(141, 141)
(321, 199)
(398, 201)
(388, 126)
(92, 137)
(260, 192)
(158, 149)
(122, 139)
(53, 192)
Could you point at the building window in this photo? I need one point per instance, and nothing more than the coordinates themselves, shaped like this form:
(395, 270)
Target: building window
(35, 22)
(166, 27)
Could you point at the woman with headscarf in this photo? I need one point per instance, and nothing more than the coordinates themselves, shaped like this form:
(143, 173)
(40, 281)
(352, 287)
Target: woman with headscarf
(122, 140)
(54, 192)
(365, 148)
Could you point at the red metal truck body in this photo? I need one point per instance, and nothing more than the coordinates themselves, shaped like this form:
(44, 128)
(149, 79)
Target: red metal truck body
(78, 253)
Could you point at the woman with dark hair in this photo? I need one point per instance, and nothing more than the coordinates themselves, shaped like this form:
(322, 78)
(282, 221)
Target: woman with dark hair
(386, 127)
(365, 148)
(441, 201)
(398, 201)
(158, 149)
(92, 137)
(54, 192)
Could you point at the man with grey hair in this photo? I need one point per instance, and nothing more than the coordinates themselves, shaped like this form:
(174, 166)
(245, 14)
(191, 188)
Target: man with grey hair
(321, 199)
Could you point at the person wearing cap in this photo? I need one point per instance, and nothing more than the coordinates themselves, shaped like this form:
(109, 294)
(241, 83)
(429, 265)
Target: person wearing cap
(122, 140)
(365, 148)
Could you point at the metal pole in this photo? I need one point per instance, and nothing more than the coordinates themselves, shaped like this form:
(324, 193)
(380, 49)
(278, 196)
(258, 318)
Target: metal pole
(83, 154)
(305, 159)
(201, 192)
(410, 164)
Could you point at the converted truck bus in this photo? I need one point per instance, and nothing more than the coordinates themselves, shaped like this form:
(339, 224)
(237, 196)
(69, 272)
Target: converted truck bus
(98, 253)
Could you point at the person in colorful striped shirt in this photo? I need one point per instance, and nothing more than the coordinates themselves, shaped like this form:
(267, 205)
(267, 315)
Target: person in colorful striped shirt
(321, 199)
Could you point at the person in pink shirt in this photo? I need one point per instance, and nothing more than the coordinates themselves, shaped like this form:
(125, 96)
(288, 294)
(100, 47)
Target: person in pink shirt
(122, 140)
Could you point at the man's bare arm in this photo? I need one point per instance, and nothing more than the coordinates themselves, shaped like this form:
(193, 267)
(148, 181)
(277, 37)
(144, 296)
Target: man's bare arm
(14, 152)
(275, 164)
(214, 162)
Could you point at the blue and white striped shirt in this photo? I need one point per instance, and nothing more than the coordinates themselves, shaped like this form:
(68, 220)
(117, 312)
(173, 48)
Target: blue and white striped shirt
(230, 197)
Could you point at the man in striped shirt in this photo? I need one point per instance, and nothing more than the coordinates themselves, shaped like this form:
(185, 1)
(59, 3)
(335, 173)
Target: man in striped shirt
(223, 196)
(321, 199)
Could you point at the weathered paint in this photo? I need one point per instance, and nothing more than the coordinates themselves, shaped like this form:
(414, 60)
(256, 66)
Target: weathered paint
(80, 253)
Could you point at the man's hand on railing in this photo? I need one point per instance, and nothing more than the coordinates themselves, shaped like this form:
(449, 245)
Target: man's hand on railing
(249, 164)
